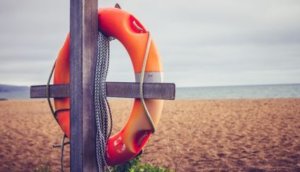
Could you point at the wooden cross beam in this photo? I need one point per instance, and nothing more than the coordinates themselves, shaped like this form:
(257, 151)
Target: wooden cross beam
(164, 91)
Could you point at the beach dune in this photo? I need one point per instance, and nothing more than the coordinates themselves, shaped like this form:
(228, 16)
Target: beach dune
(193, 135)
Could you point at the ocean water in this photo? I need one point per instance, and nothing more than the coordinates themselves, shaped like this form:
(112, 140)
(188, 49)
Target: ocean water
(240, 92)
(21, 94)
(13, 92)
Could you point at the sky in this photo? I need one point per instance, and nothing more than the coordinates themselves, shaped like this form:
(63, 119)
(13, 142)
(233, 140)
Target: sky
(201, 42)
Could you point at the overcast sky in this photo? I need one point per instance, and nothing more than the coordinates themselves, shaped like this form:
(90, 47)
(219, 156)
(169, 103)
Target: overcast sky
(202, 43)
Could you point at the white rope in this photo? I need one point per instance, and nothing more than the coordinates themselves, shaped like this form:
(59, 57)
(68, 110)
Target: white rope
(146, 55)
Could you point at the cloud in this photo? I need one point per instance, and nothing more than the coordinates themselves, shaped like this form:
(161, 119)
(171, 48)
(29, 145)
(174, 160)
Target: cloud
(201, 42)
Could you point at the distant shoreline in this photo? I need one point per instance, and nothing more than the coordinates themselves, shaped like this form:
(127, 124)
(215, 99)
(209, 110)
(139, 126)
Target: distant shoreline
(240, 92)
(250, 85)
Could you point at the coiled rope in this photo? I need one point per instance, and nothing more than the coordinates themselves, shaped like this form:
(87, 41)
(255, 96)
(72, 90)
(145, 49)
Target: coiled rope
(102, 109)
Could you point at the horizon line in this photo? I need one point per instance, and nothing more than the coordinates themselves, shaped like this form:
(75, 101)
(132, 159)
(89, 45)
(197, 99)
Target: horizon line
(203, 86)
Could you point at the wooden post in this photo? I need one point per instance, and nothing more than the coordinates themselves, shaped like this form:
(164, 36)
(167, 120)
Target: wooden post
(83, 49)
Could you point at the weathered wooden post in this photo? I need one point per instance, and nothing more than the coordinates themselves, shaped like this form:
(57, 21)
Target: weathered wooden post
(83, 50)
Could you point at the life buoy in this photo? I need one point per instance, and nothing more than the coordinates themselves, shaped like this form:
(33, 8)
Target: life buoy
(123, 26)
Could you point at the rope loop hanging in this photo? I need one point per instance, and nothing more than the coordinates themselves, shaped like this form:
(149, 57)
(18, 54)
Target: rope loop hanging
(102, 109)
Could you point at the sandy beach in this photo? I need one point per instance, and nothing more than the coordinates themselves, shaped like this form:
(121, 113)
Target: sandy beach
(193, 135)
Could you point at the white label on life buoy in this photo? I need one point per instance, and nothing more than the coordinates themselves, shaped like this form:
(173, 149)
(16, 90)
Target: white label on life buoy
(150, 77)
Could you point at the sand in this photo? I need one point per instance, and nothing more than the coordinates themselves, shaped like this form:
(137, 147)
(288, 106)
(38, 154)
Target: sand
(198, 135)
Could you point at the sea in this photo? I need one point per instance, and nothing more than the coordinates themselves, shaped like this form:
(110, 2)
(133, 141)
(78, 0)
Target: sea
(215, 92)
(240, 92)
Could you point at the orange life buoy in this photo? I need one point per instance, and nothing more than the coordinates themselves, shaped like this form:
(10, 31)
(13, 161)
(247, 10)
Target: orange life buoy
(123, 26)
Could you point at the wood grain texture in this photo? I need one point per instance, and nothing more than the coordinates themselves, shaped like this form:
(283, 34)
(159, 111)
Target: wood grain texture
(164, 91)
(55, 91)
(83, 49)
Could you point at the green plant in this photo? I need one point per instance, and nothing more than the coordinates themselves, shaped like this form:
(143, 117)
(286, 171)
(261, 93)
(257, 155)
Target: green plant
(147, 168)
(135, 165)
(43, 168)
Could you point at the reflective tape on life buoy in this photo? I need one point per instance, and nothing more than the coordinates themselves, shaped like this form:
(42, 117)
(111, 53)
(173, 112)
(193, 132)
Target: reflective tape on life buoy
(123, 26)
